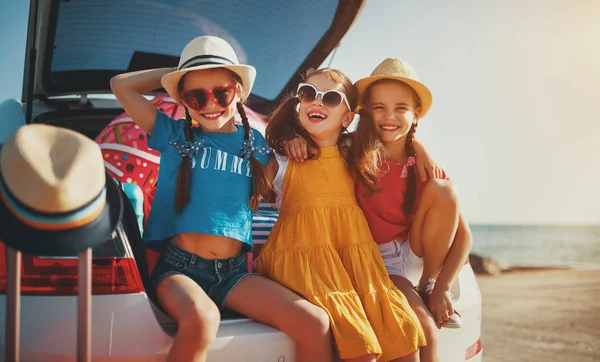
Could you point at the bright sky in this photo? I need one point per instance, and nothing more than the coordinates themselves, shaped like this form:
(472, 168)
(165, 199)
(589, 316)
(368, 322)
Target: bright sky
(515, 84)
(516, 88)
(13, 35)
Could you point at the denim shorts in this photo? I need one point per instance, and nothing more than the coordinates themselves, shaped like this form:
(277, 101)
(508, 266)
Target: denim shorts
(216, 277)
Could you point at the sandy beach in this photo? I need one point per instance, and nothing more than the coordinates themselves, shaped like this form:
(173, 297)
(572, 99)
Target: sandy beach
(541, 315)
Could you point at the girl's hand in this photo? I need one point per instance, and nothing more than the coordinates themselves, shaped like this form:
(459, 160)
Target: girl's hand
(129, 88)
(297, 149)
(426, 164)
(440, 305)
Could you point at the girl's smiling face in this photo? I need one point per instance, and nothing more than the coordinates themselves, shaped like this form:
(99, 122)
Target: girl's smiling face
(324, 124)
(394, 108)
(213, 117)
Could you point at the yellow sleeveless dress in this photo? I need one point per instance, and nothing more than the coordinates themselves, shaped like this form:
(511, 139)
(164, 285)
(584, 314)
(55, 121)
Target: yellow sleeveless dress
(321, 248)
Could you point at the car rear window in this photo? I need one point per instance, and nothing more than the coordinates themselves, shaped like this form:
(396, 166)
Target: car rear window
(272, 35)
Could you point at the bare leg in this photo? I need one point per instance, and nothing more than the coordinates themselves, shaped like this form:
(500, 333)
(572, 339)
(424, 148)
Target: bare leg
(458, 254)
(427, 353)
(434, 227)
(268, 302)
(196, 314)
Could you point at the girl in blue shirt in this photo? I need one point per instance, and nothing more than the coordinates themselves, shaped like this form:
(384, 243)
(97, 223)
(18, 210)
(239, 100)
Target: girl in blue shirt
(210, 179)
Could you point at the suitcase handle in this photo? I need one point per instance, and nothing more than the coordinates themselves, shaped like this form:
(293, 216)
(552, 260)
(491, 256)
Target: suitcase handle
(13, 306)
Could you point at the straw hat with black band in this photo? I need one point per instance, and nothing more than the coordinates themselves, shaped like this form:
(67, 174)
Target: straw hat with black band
(401, 70)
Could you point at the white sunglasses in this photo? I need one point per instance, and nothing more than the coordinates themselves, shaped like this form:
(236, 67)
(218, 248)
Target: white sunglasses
(331, 98)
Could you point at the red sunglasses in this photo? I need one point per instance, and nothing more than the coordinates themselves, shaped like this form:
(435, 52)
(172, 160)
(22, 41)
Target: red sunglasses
(197, 99)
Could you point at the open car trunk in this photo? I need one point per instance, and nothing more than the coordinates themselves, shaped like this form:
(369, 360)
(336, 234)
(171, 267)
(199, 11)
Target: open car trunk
(75, 47)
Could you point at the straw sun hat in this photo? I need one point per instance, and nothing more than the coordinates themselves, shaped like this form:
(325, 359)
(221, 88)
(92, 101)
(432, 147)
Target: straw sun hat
(396, 69)
(208, 52)
(55, 196)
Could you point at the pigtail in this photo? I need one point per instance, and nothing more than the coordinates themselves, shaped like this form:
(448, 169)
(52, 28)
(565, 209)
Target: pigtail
(284, 125)
(411, 187)
(281, 124)
(182, 191)
(262, 186)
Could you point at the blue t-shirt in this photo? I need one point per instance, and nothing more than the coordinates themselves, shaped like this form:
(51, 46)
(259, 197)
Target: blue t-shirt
(220, 184)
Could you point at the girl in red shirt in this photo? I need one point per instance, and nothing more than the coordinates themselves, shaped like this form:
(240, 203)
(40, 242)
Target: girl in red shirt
(423, 237)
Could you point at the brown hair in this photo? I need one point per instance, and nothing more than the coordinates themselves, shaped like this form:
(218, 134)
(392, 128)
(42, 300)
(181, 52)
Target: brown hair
(284, 125)
(368, 154)
(261, 184)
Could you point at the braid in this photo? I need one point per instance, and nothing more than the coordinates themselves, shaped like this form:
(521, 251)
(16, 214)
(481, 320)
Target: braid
(245, 123)
(182, 191)
(188, 126)
(262, 186)
(411, 187)
(410, 137)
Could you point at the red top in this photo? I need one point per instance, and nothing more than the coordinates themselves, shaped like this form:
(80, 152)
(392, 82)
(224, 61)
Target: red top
(383, 210)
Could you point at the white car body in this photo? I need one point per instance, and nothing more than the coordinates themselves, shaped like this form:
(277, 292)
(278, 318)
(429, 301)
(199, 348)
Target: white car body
(130, 328)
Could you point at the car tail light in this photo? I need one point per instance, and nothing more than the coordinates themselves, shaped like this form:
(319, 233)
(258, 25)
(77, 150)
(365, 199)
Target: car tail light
(474, 350)
(58, 275)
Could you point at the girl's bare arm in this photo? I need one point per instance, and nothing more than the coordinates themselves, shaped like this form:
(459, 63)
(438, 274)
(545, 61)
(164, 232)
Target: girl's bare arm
(129, 89)
(426, 164)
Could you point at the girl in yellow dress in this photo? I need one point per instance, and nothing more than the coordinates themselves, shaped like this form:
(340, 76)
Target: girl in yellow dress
(321, 247)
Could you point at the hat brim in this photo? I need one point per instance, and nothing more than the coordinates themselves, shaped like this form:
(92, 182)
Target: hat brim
(28, 240)
(247, 73)
(422, 91)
